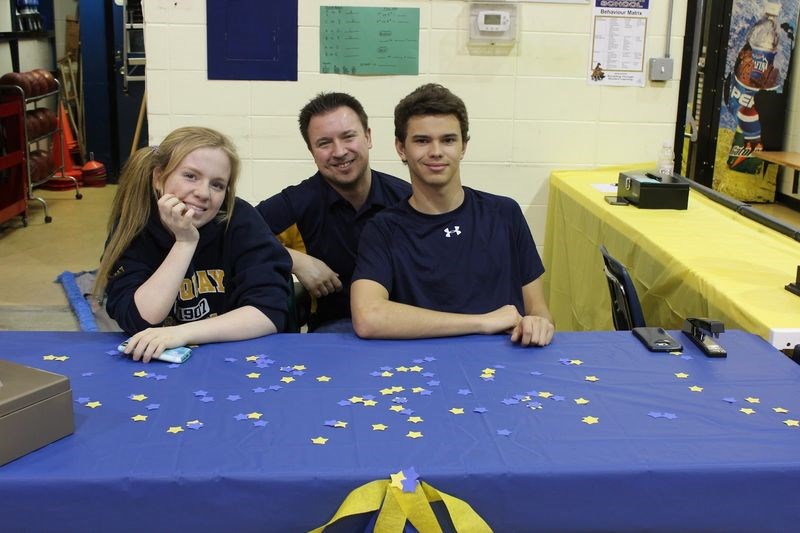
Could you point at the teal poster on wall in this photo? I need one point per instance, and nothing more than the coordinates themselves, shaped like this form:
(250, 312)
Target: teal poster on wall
(368, 41)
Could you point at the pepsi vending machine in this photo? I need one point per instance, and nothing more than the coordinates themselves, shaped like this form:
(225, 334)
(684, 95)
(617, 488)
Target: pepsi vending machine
(752, 113)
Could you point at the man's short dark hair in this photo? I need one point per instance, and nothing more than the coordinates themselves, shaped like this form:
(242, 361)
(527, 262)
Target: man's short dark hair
(326, 102)
(430, 99)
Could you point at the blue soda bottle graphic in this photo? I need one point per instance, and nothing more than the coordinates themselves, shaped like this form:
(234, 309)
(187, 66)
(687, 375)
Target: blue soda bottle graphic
(754, 71)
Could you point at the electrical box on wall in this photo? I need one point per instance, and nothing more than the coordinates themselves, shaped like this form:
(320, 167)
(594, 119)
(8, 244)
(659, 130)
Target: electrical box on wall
(492, 24)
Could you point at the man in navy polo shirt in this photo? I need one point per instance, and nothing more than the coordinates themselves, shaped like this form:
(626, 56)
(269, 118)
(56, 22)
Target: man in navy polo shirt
(331, 207)
(450, 260)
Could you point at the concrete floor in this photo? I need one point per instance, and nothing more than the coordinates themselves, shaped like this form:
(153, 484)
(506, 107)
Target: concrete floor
(32, 257)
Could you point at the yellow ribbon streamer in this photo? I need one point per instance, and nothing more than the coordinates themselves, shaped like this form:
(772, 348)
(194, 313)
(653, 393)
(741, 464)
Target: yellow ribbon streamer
(397, 507)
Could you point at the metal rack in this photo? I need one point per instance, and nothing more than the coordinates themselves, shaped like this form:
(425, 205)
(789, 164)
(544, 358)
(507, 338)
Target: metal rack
(48, 137)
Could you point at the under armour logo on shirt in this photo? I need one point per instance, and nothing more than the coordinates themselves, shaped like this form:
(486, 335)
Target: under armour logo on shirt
(456, 231)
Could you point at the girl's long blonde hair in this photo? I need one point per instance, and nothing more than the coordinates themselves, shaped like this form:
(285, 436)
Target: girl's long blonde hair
(135, 195)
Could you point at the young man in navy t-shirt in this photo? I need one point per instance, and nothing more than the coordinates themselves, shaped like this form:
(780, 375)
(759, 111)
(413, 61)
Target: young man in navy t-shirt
(331, 207)
(450, 260)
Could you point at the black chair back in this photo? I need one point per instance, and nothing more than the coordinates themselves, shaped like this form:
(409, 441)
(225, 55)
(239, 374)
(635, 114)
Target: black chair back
(626, 310)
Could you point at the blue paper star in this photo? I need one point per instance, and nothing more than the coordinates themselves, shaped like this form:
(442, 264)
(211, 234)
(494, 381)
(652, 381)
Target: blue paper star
(510, 401)
(200, 393)
(464, 392)
(83, 399)
(480, 410)
(503, 432)
(375, 374)
(368, 397)
(233, 397)
(194, 425)
(425, 392)
(286, 369)
(262, 364)
(298, 372)
(399, 399)
(87, 374)
(655, 414)
(433, 383)
(259, 389)
(670, 416)
(160, 377)
(343, 402)
(331, 423)
(429, 359)
(260, 423)
(173, 365)
(153, 406)
(418, 361)
(499, 366)
(686, 356)
(240, 416)
(535, 405)
(230, 359)
(557, 398)
(729, 399)
(207, 399)
(428, 374)
(407, 411)
(385, 368)
(536, 373)
(275, 387)
(410, 482)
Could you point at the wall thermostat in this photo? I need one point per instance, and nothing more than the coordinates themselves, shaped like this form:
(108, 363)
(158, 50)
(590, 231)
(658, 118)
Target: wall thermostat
(492, 25)
(495, 21)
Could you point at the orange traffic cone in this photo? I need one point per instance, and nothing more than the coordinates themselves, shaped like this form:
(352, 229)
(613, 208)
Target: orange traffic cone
(63, 142)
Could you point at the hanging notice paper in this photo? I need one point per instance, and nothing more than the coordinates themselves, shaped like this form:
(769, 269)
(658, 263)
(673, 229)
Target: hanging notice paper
(366, 41)
(618, 37)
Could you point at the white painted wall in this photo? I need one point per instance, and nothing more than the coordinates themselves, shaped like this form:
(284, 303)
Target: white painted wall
(530, 112)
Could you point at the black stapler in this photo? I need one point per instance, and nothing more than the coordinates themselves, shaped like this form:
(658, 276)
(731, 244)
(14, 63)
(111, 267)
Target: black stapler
(703, 331)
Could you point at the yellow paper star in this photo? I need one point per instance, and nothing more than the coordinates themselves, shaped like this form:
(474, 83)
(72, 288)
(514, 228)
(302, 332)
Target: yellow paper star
(416, 368)
(379, 427)
(138, 397)
(386, 374)
(61, 358)
(255, 415)
(457, 410)
(139, 418)
(287, 379)
(356, 399)
(174, 429)
(792, 423)
(397, 479)
(590, 420)
(396, 408)
(299, 367)
(780, 410)
(681, 375)
(402, 369)
(93, 405)
(592, 378)
(414, 434)
(319, 440)
(140, 374)
(488, 371)
(750, 399)
(48, 357)
(398, 389)
(386, 391)
(696, 388)
(253, 375)
(577, 362)
(370, 403)
(676, 352)
(323, 379)
(415, 419)
(545, 394)
(747, 410)
(251, 358)
(486, 376)
(417, 390)
(525, 398)
(581, 401)
(340, 424)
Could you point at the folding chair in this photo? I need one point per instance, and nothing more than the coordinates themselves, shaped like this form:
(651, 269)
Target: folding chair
(626, 311)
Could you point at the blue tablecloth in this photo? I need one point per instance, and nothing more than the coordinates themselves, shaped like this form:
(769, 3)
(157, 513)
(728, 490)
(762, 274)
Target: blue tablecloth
(662, 455)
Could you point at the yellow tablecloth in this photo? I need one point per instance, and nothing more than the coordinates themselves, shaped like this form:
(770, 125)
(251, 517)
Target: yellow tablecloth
(707, 261)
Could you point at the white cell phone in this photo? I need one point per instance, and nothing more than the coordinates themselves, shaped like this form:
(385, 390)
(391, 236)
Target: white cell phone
(170, 355)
